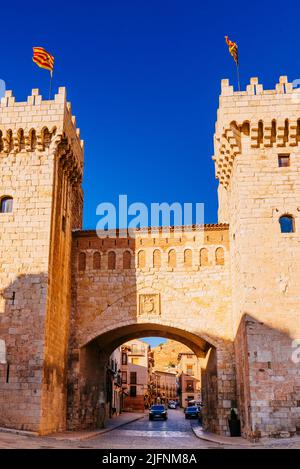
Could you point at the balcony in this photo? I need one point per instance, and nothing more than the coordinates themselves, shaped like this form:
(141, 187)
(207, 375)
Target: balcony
(190, 389)
(137, 351)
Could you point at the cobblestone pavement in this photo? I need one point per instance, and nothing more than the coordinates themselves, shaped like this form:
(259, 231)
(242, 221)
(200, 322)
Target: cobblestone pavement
(175, 433)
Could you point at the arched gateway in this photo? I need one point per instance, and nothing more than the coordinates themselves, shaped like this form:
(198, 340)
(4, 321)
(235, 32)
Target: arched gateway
(230, 291)
(188, 303)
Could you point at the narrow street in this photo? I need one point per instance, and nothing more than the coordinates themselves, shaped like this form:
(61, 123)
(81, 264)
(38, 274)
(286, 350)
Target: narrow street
(174, 433)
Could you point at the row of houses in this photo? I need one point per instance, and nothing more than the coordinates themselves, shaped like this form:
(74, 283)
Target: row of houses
(134, 384)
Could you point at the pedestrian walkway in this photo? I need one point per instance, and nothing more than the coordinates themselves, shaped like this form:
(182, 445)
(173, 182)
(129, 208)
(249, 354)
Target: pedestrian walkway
(111, 424)
(219, 439)
(240, 442)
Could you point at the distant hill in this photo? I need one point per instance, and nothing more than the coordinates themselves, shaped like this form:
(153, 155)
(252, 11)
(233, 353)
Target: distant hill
(165, 355)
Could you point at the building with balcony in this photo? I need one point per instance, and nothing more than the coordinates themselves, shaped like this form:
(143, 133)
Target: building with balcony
(163, 385)
(114, 383)
(135, 364)
(189, 376)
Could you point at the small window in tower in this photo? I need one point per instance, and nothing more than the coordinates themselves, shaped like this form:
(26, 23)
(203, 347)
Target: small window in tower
(283, 161)
(6, 205)
(287, 224)
(63, 223)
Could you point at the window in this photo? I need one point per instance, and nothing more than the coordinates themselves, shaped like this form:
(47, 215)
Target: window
(283, 161)
(189, 386)
(273, 131)
(126, 260)
(141, 259)
(260, 132)
(96, 261)
(287, 224)
(133, 377)
(172, 258)
(132, 391)
(111, 260)
(219, 256)
(135, 361)
(124, 377)
(2, 352)
(188, 258)
(82, 261)
(189, 369)
(63, 223)
(203, 257)
(157, 259)
(124, 358)
(6, 205)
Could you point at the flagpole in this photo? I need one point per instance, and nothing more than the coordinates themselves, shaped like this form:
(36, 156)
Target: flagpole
(50, 88)
(238, 76)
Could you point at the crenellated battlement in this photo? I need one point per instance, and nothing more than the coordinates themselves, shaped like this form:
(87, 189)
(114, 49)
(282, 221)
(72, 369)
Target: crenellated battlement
(37, 125)
(255, 119)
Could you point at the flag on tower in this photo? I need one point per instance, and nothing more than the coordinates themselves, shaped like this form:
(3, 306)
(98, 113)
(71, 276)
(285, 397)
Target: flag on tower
(43, 59)
(233, 49)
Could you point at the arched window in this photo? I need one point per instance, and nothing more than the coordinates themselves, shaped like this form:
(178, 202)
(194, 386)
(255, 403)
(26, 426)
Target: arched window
(127, 260)
(273, 131)
(111, 260)
(287, 224)
(32, 139)
(246, 128)
(260, 133)
(2, 352)
(96, 261)
(21, 139)
(203, 257)
(286, 130)
(6, 205)
(82, 261)
(141, 259)
(9, 141)
(172, 258)
(219, 254)
(157, 259)
(188, 258)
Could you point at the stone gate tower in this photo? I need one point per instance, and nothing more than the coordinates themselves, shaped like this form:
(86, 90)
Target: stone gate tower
(41, 161)
(257, 159)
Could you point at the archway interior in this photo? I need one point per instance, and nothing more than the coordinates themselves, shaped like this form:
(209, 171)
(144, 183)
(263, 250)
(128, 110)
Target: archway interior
(111, 340)
(95, 378)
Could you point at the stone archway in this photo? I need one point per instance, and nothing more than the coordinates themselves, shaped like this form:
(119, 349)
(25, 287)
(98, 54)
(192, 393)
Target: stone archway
(87, 371)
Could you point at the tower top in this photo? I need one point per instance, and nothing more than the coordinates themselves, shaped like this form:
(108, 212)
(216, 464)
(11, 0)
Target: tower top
(255, 118)
(37, 124)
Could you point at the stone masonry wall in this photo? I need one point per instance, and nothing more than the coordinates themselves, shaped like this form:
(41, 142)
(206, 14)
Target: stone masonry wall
(34, 139)
(182, 290)
(254, 128)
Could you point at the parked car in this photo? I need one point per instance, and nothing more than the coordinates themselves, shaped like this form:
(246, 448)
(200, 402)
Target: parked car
(191, 412)
(172, 405)
(158, 411)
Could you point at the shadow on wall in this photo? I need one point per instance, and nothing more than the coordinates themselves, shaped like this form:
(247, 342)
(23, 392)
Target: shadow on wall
(88, 366)
(268, 380)
(22, 328)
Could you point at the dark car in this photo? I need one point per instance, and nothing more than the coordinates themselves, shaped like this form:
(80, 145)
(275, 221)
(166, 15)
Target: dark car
(191, 412)
(158, 411)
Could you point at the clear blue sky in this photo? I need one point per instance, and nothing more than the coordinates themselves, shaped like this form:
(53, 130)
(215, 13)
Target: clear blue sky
(144, 79)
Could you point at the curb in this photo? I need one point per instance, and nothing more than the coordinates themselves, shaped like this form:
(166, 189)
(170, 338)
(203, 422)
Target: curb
(214, 439)
(93, 434)
(74, 438)
(15, 431)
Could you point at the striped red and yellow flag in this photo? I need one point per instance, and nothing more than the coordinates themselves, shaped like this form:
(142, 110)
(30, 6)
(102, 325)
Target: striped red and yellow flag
(43, 59)
(233, 49)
